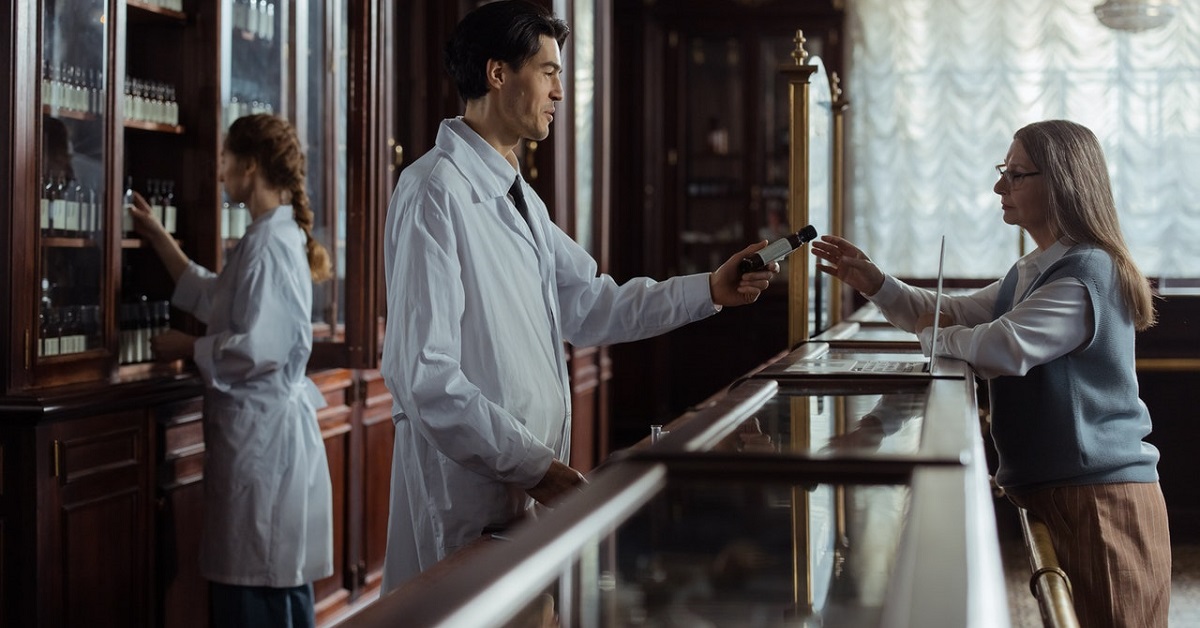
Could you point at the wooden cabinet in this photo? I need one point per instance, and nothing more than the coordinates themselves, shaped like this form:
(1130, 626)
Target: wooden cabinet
(704, 118)
(181, 593)
(101, 448)
(336, 421)
(111, 97)
(374, 497)
(76, 511)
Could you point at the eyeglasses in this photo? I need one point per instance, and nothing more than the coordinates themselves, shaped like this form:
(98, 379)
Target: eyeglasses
(1013, 178)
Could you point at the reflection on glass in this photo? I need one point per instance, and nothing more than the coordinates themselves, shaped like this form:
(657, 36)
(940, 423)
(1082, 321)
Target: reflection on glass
(71, 218)
(734, 554)
(820, 197)
(583, 42)
(253, 59)
(540, 612)
(325, 93)
(712, 221)
(826, 424)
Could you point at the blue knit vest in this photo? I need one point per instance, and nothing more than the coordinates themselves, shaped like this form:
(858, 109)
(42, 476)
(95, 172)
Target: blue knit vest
(1077, 419)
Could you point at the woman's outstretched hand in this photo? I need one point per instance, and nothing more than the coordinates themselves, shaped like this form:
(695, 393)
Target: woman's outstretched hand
(848, 263)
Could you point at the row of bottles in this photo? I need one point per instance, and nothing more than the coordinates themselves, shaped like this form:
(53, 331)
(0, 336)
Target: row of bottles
(240, 105)
(255, 18)
(68, 329)
(139, 322)
(712, 187)
(72, 88)
(151, 101)
(65, 329)
(160, 195)
(234, 220)
(68, 209)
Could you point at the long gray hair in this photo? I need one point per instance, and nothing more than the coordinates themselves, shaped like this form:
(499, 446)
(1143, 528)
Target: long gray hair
(1081, 205)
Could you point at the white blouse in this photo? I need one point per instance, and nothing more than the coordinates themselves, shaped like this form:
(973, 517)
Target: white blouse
(1046, 324)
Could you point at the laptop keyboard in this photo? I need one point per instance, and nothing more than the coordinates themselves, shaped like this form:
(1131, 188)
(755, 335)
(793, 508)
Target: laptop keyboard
(884, 366)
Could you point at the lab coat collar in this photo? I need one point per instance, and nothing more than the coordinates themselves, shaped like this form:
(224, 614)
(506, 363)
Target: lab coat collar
(488, 172)
(281, 213)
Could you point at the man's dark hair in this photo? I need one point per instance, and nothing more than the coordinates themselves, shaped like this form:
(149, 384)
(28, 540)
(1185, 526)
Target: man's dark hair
(508, 31)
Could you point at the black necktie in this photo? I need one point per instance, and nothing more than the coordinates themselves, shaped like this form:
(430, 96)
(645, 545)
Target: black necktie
(518, 198)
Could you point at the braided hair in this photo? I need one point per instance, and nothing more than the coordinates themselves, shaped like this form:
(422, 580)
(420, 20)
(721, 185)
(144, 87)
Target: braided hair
(272, 143)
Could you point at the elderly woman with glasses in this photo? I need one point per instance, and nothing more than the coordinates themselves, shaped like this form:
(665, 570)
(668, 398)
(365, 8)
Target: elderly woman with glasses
(1055, 340)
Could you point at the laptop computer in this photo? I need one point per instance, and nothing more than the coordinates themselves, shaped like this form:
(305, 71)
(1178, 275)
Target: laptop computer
(925, 367)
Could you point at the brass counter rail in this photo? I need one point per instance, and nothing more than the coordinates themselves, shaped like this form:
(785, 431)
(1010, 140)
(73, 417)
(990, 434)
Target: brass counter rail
(1049, 583)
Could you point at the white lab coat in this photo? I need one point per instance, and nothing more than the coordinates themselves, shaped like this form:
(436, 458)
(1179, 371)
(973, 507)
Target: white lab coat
(479, 307)
(267, 495)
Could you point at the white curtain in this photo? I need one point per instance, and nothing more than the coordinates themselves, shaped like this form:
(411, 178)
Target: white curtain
(937, 88)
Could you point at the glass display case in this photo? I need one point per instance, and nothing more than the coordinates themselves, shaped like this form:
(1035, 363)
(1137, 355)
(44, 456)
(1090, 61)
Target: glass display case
(805, 503)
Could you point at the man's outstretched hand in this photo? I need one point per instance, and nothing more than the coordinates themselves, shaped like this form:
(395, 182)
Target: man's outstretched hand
(559, 481)
(730, 288)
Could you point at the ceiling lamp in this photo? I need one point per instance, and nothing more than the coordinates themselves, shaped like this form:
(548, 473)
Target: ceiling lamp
(1135, 15)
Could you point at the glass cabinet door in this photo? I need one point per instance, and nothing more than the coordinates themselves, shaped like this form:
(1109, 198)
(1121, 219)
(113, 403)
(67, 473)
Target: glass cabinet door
(715, 149)
(72, 228)
(254, 79)
(735, 153)
(321, 116)
(154, 104)
(291, 58)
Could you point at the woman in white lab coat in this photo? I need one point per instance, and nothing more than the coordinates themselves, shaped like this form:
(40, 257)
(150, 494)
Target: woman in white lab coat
(267, 511)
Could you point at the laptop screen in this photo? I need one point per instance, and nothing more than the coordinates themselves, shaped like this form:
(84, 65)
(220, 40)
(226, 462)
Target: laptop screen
(937, 308)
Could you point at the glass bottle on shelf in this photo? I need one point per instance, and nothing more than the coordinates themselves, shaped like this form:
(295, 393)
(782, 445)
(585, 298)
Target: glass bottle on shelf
(126, 204)
(170, 213)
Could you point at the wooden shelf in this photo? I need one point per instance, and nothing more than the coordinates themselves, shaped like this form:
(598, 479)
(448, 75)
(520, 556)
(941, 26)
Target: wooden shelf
(137, 242)
(69, 242)
(154, 127)
(59, 112)
(146, 9)
(139, 371)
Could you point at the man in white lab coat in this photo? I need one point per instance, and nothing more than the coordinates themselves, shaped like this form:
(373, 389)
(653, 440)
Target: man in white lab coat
(484, 289)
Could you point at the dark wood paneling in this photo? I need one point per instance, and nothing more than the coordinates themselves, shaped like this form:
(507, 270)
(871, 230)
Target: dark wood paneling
(183, 597)
(335, 421)
(3, 562)
(654, 380)
(378, 436)
(1171, 399)
(102, 560)
(586, 420)
(4, 502)
(93, 560)
(334, 591)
